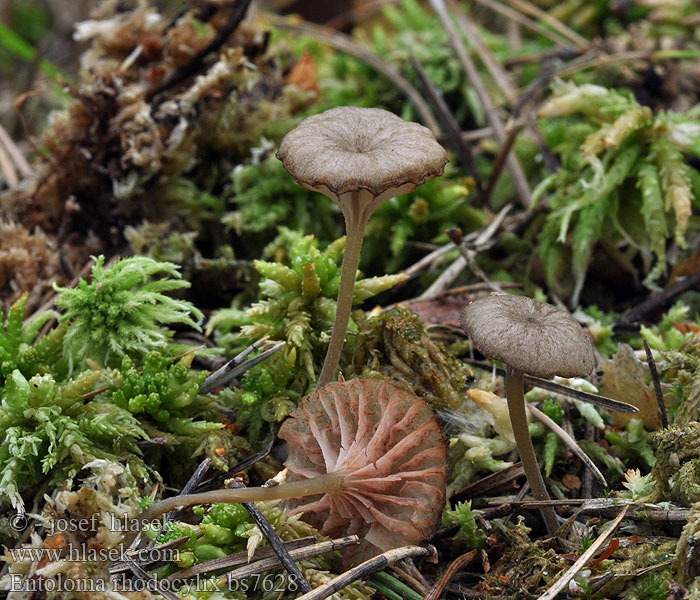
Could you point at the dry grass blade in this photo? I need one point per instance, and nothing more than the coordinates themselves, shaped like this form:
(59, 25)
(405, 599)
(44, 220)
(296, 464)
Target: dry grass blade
(564, 580)
(7, 168)
(239, 558)
(14, 153)
(484, 53)
(299, 554)
(521, 19)
(512, 130)
(275, 542)
(445, 279)
(346, 44)
(237, 366)
(569, 442)
(427, 260)
(530, 9)
(363, 570)
(502, 79)
(657, 385)
(563, 390)
(514, 168)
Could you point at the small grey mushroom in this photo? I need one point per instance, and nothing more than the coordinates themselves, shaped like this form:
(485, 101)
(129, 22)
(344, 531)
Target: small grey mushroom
(358, 157)
(530, 337)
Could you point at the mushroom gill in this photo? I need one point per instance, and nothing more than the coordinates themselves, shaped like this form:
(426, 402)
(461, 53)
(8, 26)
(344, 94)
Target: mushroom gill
(369, 454)
(387, 444)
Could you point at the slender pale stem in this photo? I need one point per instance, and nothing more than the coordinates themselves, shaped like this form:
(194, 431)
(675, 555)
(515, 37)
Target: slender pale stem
(518, 418)
(323, 484)
(355, 228)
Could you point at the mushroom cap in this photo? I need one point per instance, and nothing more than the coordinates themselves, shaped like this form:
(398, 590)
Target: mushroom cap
(349, 148)
(528, 336)
(388, 444)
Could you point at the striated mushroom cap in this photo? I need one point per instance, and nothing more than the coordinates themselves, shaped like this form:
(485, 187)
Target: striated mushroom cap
(347, 148)
(388, 444)
(529, 336)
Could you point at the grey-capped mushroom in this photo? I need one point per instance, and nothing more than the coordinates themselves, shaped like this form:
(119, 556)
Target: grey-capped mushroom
(530, 337)
(358, 157)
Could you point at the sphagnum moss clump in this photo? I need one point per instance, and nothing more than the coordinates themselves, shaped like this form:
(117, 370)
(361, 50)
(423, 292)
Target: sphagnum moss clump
(122, 309)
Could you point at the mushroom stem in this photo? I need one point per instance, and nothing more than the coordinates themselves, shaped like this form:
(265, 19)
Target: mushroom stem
(516, 407)
(323, 484)
(355, 223)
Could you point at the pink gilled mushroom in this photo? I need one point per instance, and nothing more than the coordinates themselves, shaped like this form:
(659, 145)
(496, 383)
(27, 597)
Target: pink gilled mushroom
(388, 444)
(370, 456)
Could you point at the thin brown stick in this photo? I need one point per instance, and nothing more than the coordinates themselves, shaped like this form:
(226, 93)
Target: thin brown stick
(363, 570)
(511, 131)
(275, 542)
(409, 579)
(238, 11)
(462, 149)
(299, 554)
(491, 482)
(455, 567)
(346, 44)
(657, 386)
(563, 581)
(519, 180)
(660, 300)
(551, 386)
(239, 558)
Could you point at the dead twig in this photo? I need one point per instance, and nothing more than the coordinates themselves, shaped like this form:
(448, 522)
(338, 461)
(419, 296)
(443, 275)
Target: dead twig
(409, 579)
(241, 466)
(657, 386)
(455, 567)
(346, 44)
(551, 386)
(363, 570)
(475, 242)
(511, 132)
(238, 11)
(484, 241)
(238, 365)
(593, 549)
(454, 133)
(491, 482)
(275, 542)
(299, 554)
(239, 558)
(428, 260)
(658, 301)
(519, 180)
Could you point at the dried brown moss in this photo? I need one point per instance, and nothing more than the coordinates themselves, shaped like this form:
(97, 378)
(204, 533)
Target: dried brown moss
(396, 346)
